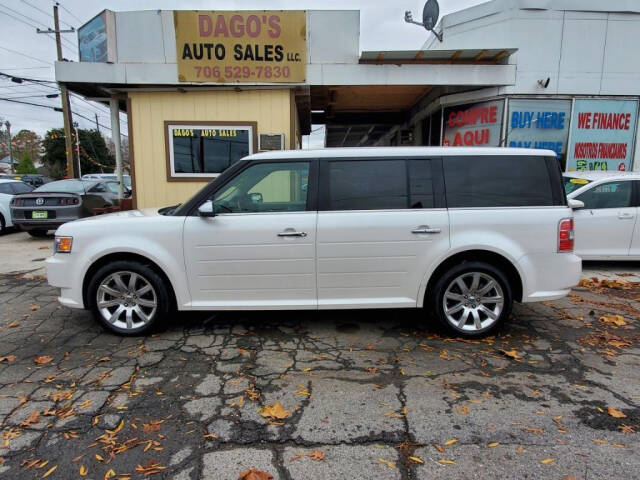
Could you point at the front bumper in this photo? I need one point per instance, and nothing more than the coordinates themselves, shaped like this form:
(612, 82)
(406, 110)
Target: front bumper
(61, 274)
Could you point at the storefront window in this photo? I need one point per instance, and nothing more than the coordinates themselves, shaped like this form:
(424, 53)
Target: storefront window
(475, 125)
(603, 133)
(542, 124)
(206, 150)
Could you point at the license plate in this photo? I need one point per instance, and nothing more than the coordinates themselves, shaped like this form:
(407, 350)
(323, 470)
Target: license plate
(35, 214)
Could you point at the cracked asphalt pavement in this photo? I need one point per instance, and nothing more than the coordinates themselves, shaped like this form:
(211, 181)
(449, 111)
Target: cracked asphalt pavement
(382, 394)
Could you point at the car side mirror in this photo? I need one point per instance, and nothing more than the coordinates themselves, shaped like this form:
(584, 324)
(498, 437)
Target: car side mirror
(206, 209)
(576, 204)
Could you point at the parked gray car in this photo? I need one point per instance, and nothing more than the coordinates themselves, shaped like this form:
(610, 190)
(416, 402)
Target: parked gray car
(49, 206)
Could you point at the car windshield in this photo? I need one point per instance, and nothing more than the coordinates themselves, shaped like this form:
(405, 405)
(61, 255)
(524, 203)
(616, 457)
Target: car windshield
(66, 186)
(571, 184)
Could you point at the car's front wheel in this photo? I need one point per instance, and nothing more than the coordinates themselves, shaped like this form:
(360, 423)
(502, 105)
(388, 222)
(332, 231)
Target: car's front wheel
(472, 299)
(128, 297)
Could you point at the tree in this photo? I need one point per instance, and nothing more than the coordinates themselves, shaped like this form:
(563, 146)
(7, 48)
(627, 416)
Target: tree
(26, 141)
(94, 155)
(25, 165)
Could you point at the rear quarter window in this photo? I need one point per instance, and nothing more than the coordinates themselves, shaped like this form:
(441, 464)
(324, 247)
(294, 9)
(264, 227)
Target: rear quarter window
(500, 181)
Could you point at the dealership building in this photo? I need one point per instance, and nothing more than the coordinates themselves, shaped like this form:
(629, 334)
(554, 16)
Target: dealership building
(201, 89)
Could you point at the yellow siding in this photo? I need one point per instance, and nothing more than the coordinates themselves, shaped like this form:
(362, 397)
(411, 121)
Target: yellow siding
(149, 110)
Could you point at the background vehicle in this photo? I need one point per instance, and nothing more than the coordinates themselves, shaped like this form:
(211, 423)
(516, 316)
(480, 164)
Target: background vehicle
(8, 188)
(126, 179)
(462, 232)
(606, 226)
(35, 180)
(49, 206)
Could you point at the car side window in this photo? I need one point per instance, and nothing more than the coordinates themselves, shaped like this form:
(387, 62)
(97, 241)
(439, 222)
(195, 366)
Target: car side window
(607, 195)
(19, 187)
(379, 184)
(99, 188)
(265, 187)
(113, 187)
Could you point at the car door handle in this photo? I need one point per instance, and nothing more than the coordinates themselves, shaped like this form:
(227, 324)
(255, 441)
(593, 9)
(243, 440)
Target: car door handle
(425, 229)
(625, 216)
(292, 233)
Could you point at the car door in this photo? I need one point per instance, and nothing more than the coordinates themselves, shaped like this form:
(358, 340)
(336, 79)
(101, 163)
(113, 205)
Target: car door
(604, 227)
(381, 224)
(6, 194)
(634, 250)
(258, 251)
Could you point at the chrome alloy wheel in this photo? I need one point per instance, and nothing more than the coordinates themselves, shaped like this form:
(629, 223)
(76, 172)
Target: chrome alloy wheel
(126, 300)
(473, 301)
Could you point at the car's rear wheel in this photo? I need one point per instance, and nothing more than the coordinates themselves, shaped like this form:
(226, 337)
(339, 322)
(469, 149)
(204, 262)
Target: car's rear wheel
(128, 297)
(37, 233)
(472, 299)
(3, 227)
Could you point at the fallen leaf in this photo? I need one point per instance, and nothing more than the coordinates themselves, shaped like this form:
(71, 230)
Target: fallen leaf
(14, 325)
(627, 429)
(448, 443)
(254, 474)
(34, 417)
(546, 461)
(210, 435)
(446, 462)
(493, 444)
(275, 411)
(512, 354)
(520, 449)
(438, 447)
(83, 471)
(615, 413)
(43, 360)
(33, 308)
(317, 455)
(387, 463)
(8, 358)
(416, 459)
(110, 473)
(617, 320)
(50, 471)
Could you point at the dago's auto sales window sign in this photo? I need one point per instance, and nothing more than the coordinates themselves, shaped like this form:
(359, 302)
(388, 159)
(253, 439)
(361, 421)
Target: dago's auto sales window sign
(477, 125)
(243, 46)
(542, 124)
(602, 134)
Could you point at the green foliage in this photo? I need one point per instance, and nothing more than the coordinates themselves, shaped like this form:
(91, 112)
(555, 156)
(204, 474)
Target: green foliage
(25, 165)
(94, 155)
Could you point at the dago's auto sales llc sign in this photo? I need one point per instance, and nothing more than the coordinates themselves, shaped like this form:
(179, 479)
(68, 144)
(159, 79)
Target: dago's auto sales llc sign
(242, 46)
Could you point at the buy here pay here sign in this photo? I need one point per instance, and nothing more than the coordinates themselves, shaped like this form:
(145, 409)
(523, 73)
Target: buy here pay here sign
(241, 46)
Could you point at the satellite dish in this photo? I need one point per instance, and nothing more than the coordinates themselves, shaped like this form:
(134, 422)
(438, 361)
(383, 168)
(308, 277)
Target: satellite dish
(430, 15)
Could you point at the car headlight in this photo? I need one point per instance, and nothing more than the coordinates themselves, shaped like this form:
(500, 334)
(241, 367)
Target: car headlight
(63, 244)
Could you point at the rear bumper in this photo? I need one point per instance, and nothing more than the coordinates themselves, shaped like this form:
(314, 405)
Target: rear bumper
(549, 276)
(61, 274)
(37, 225)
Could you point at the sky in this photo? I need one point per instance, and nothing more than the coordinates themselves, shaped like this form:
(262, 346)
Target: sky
(28, 54)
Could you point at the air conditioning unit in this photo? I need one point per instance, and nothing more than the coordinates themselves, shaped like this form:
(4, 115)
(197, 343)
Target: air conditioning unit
(270, 141)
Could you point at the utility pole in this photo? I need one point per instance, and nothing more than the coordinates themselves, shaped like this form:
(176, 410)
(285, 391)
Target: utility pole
(75, 127)
(97, 124)
(13, 168)
(66, 107)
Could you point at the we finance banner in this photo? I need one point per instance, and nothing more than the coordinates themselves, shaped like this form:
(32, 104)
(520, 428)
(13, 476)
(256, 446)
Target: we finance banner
(602, 134)
(241, 46)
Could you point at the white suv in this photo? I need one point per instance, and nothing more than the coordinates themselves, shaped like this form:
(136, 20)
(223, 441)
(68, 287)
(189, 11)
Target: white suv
(463, 232)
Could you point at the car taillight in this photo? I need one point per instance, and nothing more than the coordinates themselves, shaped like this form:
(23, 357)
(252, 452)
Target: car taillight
(565, 235)
(68, 201)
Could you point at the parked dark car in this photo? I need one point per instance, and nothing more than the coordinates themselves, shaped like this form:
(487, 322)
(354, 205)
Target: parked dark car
(35, 180)
(55, 203)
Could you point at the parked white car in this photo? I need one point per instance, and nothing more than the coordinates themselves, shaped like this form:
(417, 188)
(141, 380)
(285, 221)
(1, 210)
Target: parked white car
(8, 188)
(606, 221)
(335, 229)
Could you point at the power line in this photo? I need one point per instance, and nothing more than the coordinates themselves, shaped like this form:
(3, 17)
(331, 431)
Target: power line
(45, 12)
(24, 55)
(67, 10)
(57, 109)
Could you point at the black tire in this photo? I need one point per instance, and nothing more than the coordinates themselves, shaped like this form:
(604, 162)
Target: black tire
(161, 296)
(463, 328)
(3, 227)
(37, 233)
